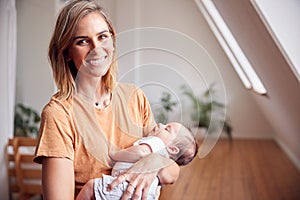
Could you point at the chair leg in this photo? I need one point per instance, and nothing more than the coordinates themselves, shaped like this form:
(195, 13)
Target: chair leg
(25, 196)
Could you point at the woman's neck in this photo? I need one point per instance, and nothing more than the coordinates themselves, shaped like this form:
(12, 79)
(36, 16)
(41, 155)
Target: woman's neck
(94, 91)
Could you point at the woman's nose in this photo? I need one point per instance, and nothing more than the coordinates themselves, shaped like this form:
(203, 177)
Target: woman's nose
(96, 48)
(95, 44)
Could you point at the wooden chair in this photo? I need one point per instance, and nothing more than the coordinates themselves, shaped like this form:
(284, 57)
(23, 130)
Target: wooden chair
(27, 172)
(11, 170)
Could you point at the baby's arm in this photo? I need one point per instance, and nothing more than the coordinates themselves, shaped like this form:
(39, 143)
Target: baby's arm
(131, 154)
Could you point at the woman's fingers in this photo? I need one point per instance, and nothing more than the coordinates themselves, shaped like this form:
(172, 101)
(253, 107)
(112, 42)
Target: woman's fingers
(138, 191)
(128, 192)
(139, 186)
(146, 191)
(131, 187)
(120, 179)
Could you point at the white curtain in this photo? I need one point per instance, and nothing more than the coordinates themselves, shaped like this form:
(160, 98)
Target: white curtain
(8, 40)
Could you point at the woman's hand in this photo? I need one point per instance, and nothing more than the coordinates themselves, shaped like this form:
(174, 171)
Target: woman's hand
(141, 175)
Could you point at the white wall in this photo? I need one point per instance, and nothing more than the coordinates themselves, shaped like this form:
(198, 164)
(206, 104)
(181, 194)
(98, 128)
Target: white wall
(109, 7)
(34, 75)
(186, 29)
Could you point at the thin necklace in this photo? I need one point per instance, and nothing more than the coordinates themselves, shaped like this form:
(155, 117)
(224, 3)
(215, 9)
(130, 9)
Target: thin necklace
(97, 103)
(105, 103)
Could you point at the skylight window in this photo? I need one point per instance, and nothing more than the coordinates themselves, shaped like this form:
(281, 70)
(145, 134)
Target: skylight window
(231, 47)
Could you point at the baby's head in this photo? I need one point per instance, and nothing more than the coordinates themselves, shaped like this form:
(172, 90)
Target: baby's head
(180, 142)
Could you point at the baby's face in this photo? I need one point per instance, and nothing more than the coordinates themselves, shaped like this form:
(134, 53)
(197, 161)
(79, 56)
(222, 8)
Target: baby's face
(167, 133)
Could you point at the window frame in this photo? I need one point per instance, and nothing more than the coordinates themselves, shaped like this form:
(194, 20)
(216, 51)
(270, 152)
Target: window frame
(231, 47)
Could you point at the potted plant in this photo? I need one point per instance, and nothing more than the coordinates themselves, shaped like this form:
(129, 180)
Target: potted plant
(205, 108)
(167, 106)
(26, 121)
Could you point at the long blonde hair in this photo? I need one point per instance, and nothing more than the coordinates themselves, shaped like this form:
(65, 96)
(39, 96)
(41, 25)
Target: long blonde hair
(65, 72)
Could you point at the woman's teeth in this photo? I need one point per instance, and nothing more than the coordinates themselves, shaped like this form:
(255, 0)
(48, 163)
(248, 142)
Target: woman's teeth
(96, 61)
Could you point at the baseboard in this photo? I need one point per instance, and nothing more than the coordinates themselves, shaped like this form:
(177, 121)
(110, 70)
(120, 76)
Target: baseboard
(289, 153)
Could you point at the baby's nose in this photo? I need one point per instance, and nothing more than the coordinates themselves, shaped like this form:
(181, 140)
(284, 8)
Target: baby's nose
(161, 126)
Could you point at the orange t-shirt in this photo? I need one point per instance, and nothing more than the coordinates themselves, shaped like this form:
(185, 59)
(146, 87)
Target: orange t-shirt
(76, 130)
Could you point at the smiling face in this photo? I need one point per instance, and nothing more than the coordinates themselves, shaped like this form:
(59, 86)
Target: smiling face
(92, 47)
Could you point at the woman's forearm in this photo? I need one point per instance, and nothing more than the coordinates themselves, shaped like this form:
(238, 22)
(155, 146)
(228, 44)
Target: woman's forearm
(167, 170)
(142, 174)
(58, 179)
(169, 174)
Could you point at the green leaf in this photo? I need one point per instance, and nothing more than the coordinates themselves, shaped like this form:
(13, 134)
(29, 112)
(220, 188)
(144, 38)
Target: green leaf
(26, 121)
(204, 106)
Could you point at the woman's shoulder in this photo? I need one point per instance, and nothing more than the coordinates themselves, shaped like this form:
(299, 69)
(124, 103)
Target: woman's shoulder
(127, 88)
(56, 105)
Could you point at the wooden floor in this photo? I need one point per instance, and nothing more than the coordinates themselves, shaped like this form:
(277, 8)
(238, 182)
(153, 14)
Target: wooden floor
(244, 170)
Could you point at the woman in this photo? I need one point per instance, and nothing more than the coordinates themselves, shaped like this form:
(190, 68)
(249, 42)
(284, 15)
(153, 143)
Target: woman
(92, 114)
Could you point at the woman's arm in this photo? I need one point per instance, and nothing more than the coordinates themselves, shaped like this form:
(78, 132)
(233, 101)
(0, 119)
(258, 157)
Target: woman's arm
(143, 173)
(169, 174)
(57, 178)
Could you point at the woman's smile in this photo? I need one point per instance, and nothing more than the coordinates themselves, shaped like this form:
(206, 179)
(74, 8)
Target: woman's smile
(97, 61)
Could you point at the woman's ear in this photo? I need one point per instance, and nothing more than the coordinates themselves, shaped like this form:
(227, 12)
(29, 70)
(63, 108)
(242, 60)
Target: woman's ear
(172, 149)
(68, 58)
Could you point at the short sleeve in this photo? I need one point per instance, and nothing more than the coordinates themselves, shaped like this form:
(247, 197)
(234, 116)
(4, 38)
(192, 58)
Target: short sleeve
(56, 134)
(147, 116)
(155, 143)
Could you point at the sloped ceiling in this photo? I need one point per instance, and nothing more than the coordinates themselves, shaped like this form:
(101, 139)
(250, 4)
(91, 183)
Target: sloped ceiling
(281, 106)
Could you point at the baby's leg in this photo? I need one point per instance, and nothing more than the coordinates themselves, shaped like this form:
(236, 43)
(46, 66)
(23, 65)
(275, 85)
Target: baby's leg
(101, 186)
(87, 192)
(101, 193)
(99, 189)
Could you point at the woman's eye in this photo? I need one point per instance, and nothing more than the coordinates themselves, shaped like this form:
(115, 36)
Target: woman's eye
(82, 42)
(103, 36)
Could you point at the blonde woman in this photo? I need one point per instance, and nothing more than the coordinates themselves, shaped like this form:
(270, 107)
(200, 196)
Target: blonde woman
(92, 114)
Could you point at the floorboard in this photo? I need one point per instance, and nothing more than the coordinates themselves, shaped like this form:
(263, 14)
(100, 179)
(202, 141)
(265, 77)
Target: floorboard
(241, 170)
